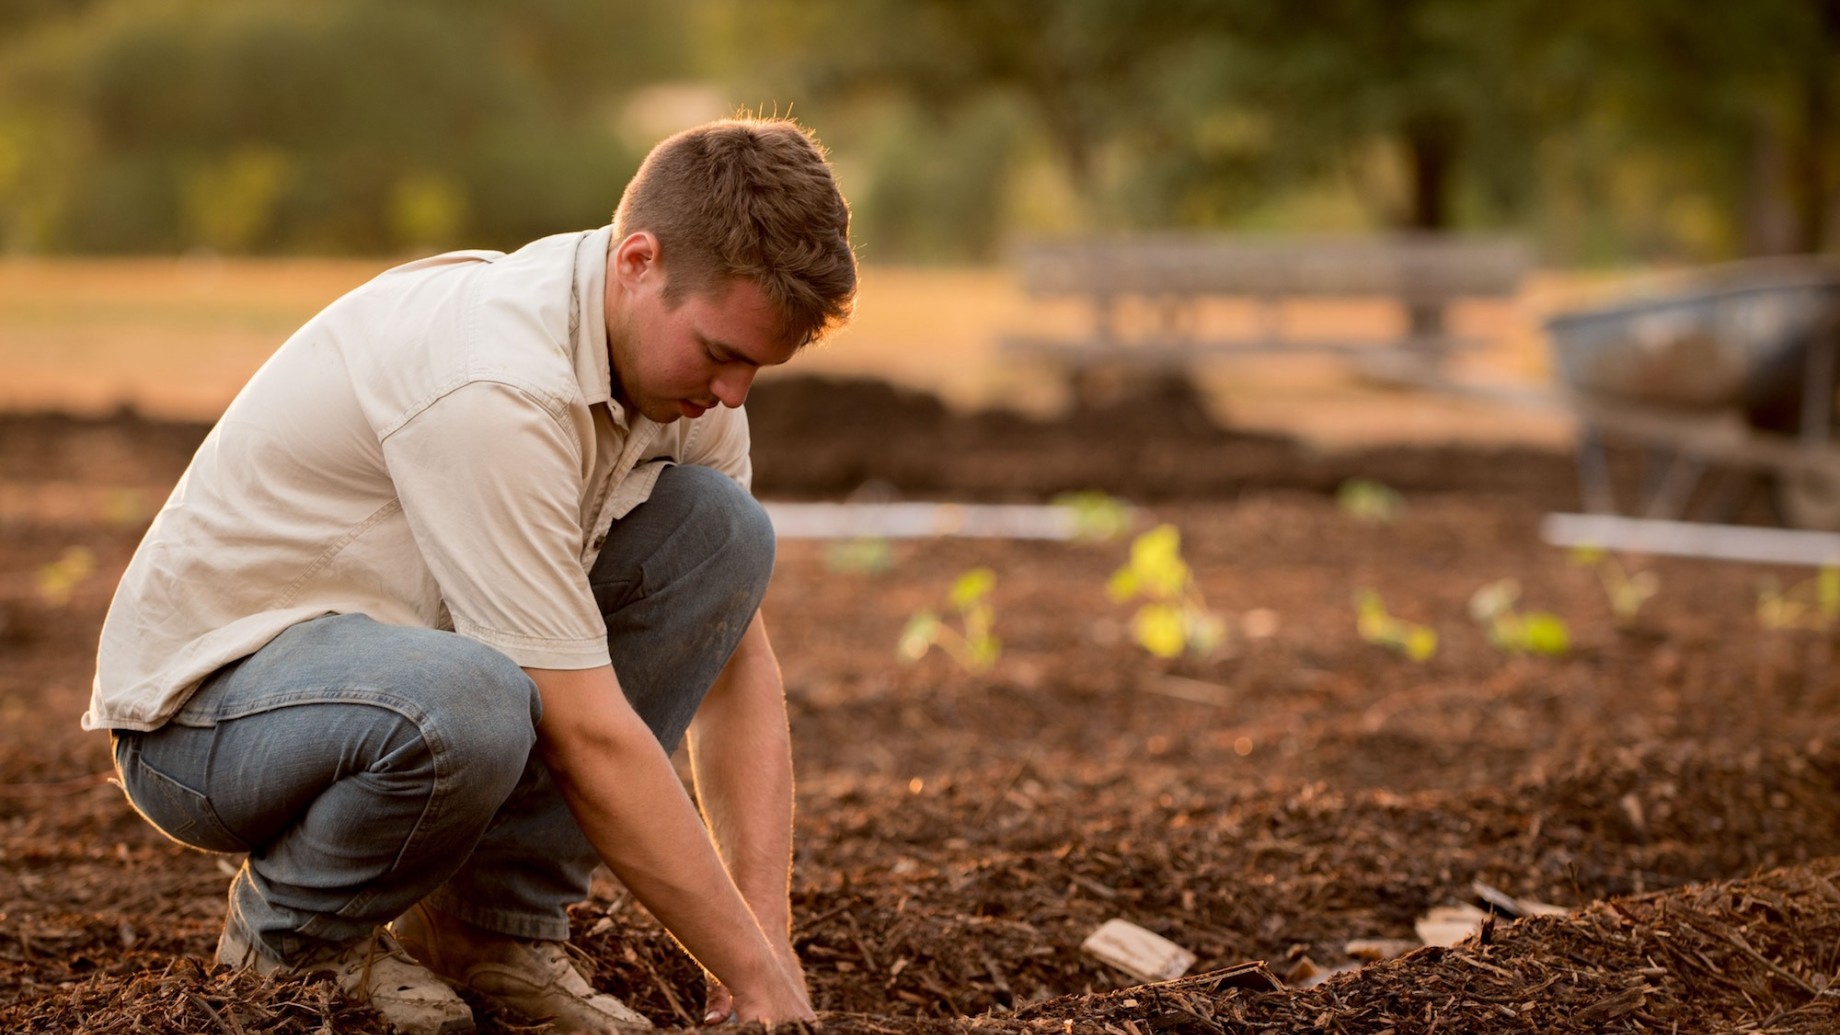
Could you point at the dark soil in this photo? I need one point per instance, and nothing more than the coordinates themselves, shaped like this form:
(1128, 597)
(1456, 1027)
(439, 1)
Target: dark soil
(1672, 781)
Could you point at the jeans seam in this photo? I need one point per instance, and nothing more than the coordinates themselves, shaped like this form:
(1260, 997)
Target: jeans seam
(441, 788)
(503, 921)
(347, 694)
(438, 751)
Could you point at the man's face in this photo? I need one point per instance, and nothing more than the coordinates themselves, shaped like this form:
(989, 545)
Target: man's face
(671, 362)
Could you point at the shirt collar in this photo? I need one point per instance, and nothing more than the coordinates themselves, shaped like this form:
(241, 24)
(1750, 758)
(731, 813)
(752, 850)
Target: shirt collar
(591, 361)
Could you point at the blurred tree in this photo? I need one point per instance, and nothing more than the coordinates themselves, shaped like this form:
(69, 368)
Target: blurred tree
(338, 125)
(1088, 72)
(1640, 128)
(1193, 112)
(587, 53)
(934, 187)
(1431, 82)
(229, 205)
(21, 16)
(1742, 100)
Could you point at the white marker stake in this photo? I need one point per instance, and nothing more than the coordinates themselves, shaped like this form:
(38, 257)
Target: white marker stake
(1143, 954)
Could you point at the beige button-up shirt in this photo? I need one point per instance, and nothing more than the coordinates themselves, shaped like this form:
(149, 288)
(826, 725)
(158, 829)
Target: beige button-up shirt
(438, 448)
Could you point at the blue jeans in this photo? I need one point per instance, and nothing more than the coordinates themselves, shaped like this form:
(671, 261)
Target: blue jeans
(365, 767)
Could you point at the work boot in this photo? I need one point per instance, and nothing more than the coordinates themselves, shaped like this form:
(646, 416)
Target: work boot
(527, 976)
(375, 970)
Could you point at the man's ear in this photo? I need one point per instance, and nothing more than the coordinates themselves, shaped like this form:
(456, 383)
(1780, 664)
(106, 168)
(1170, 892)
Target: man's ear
(635, 256)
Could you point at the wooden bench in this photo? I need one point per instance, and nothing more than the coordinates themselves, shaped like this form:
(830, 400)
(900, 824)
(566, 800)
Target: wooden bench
(1166, 281)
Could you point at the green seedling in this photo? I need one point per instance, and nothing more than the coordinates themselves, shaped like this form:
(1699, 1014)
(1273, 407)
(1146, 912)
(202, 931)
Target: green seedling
(1097, 516)
(1370, 501)
(1173, 617)
(971, 645)
(1517, 632)
(1627, 592)
(866, 555)
(58, 580)
(125, 507)
(1376, 626)
(1810, 604)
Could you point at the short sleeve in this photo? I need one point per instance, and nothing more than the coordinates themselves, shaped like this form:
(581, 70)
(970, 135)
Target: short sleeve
(490, 482)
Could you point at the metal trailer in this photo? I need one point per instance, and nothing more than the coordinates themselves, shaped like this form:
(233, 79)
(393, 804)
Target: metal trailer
(1722, 385)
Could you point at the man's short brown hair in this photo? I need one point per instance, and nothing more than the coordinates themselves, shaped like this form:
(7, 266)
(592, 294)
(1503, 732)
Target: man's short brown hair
(754, 198)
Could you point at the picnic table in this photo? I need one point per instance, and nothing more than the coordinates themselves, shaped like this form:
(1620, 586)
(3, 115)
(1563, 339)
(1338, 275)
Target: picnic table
(1175, 276)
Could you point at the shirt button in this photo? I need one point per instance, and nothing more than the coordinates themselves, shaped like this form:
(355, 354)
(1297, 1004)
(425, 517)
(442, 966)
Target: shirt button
(599, 541)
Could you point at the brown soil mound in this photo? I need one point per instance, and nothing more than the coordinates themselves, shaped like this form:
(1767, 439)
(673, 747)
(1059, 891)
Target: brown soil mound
(1671, 779)
(823, 437)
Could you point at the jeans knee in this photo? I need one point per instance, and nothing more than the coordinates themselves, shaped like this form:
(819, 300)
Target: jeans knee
(752, 544)
(488, 712)
(730, 518)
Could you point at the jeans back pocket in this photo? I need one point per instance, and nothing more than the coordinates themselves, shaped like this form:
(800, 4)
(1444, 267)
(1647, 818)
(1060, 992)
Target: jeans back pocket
(179, 812)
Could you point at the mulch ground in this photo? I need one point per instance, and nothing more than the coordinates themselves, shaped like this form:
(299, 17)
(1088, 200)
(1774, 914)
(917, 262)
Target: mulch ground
(1670, 781)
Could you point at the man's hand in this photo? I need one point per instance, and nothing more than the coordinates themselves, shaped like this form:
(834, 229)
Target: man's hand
(630, 803)
(720, 1001)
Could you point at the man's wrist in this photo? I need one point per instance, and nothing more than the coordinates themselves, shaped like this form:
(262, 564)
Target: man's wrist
(762, 974)
(770, 900)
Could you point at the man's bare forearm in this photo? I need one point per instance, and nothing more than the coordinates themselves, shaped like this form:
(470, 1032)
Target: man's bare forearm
(741, 756)
(630, 803)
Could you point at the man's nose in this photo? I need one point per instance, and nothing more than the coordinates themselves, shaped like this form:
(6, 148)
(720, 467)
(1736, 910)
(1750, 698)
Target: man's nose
(730, 387)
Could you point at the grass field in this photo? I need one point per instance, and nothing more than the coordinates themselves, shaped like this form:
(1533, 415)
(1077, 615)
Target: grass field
(178, 336)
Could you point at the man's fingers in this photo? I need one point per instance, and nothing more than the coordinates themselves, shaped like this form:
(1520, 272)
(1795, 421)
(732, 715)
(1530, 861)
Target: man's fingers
(721, 1008)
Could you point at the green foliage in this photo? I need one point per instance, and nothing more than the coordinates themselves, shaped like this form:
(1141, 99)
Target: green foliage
(1097, 516)
(1173, 617)
(1646, 128)
(1515, 631)
(1377, 627)
(426, 210)
(125, 508)
(865, 555)
(341, 125)
(1810, 604)
(972, 645)
(935, 181)
(1366, 500)
(231, 205)
(59, 580)
(1626, 592)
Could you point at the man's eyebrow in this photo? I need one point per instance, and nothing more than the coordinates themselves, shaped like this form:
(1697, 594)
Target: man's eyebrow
(724, 351)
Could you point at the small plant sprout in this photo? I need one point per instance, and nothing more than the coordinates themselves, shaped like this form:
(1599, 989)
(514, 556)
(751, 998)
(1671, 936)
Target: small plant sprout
(1810, 604)
(864, 555)
(1627, 592)
(1518, 632)
(1097, 516)
(971, 645)
(1370, 501)
(1173, 617)
(1376, 626)
(125, 507)
(58, 580)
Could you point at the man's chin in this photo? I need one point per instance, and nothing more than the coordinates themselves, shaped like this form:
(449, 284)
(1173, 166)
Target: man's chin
(667, 412)
(661, 413)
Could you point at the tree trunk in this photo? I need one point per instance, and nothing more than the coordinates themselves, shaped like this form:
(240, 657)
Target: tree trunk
(1431, 146)
(1809, 174)
(1431, 143)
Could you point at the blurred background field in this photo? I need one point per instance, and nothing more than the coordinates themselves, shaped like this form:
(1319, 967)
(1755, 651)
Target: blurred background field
(177, 337)
(182, 182)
